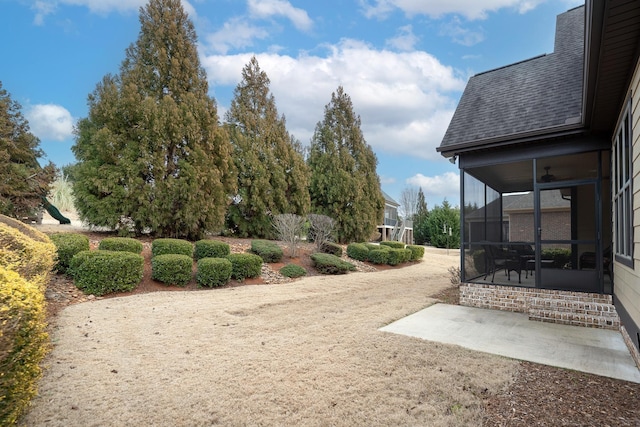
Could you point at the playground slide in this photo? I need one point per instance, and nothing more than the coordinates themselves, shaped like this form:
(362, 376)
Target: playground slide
(54, 212)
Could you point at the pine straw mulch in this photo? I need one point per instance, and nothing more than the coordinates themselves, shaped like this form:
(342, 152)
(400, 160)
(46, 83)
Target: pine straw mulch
(539, 395)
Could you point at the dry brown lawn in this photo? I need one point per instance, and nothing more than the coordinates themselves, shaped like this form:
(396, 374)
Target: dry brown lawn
(301, 353)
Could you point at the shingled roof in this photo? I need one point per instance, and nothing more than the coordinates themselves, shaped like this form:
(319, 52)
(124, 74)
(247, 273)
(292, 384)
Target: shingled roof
(542, 93)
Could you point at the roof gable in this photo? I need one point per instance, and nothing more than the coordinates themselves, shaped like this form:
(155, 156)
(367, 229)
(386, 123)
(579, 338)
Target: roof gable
(541, 93)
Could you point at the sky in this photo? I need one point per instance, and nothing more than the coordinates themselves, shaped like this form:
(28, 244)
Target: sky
(404, 63)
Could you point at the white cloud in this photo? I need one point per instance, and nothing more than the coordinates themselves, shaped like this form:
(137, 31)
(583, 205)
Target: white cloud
(471, 9)
(405, 100)
(461, 35)
(405, 40)
(47, 7)
(42, 9)
(236, 33)
(268, 8)
(438, 187)
(50, 122)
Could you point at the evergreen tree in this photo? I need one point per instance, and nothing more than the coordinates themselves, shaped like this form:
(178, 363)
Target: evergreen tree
(444, 226)
(420, 222)
(272, 175)
(151, 154)
(344, 183)
(23, 182)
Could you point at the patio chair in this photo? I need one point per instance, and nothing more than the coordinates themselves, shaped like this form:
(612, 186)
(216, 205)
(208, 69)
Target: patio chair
(495, 259)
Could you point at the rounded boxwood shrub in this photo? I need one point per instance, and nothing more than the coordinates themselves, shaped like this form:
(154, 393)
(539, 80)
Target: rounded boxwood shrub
(67, 245)
(211, 249)
(293, 271)
(121, 244)
(171, 246)
(245, 266)
(331, 264)
(268, 251)
(417, 252)
(332, 248)
(213, 272)
(103, 272)
(358, 251)
(379, 256)
(397, 256)
(24, 343)
(393, 244)
(374, 246)
(172, 269)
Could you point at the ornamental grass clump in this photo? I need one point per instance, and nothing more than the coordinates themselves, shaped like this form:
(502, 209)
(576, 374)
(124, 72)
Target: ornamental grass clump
(103, 272)
(358, 251)
(67, 245)
(171, 246)
(213, 272)
(172, 269)
(331, 264)
(211, 249)
(293, 271)
(267, 250)
(245, 266)
(121, 244)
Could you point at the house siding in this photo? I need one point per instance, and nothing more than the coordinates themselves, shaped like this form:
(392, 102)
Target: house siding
(627, 279)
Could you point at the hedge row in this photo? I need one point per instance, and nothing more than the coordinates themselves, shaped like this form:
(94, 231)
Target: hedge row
(26, 258)
(392, 253)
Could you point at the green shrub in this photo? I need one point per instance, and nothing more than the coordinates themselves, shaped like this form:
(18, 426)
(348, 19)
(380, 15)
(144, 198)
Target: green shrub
(374, 246)
(332, 248)
(398, 256)
(211, 249)
(23, 343)
(171, 246)
(560, 256)
(393, 244)
(331, 264)
(358, 251)
(103, 272)
(245, 265)
(417, 252)
(213, 272)
(121, 244)
(172, 269)
(379, 256)
(67, 245)
(268, 251)
(293, 271)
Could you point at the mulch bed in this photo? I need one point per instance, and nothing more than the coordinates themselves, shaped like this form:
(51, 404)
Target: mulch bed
(540, 395)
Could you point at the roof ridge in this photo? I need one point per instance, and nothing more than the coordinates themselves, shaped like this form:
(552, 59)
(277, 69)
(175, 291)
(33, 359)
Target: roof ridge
(511, 65)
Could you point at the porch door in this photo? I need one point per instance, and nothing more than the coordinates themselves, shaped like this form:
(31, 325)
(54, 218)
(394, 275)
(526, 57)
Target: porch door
(568, 236)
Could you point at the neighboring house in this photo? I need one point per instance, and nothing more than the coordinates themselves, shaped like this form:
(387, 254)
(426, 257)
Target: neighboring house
(555, 213)
(393, 227)
(566, 121)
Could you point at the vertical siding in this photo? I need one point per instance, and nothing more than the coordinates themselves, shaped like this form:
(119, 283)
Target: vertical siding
(627, 280)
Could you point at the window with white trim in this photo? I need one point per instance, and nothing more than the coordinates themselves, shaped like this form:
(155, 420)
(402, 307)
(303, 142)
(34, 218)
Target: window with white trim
(622, 190)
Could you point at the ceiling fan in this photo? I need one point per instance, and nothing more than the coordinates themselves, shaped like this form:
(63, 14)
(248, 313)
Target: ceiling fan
(547, 177)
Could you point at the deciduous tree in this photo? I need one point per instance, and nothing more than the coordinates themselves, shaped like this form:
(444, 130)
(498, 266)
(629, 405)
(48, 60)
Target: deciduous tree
(272, 175)
(151, 154)
(23, 182)
(344, 183)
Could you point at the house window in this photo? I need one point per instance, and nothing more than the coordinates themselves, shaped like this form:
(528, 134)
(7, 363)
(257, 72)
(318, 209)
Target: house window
(622, 191)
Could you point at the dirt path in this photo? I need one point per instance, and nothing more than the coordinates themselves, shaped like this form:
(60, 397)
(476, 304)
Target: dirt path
(302, 353)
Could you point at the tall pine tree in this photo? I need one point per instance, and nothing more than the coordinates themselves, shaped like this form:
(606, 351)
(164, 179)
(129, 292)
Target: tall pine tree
(23, 182)
(272, 175)
(151, 154)
(344, 183)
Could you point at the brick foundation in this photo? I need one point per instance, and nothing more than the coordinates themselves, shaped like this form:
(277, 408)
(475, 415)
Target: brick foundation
(564, 307)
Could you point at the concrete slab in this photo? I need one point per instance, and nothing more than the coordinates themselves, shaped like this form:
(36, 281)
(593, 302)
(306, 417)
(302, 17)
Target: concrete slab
(596, 351)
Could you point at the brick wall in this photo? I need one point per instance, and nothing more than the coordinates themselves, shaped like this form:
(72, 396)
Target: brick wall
(564, 307)
(556, 226)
